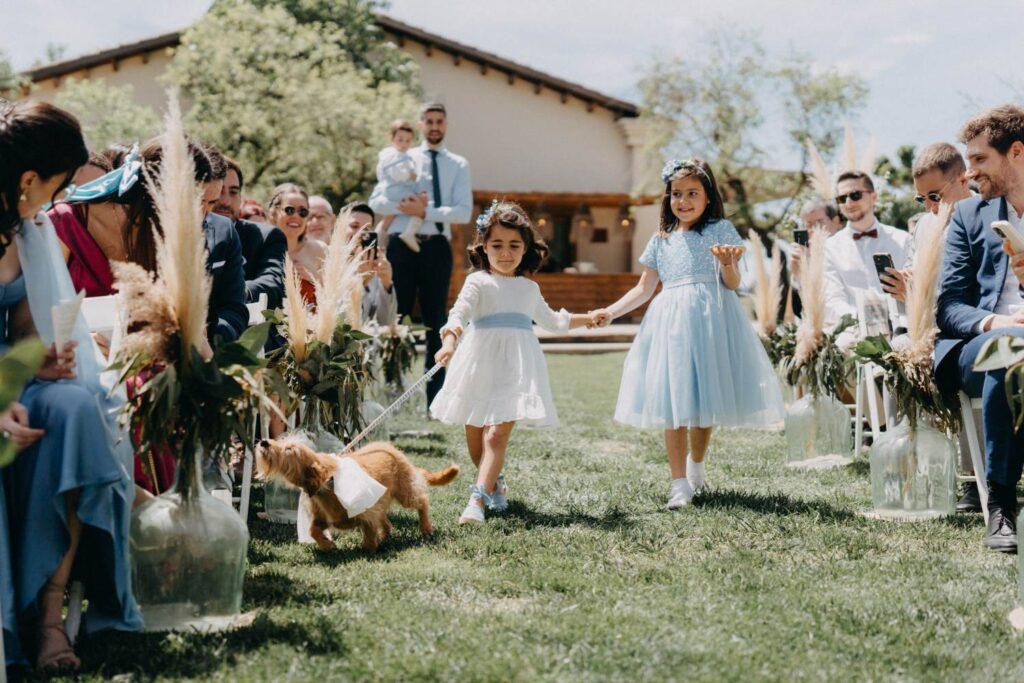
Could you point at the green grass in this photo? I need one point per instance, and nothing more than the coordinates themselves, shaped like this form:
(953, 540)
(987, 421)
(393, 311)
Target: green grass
(773, 575)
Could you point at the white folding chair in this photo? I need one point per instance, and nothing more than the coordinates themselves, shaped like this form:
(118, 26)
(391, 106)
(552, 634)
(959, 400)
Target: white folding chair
(973, 434)
(255, 317)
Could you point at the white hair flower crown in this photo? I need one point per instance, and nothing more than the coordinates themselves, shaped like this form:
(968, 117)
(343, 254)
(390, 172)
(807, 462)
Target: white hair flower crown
(485, 216)
(674, 166)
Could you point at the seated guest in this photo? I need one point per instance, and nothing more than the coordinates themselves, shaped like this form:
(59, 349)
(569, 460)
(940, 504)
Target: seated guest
(980, 298)
(815, 213)
(263, 246)
(65, 502)
(320, 222)
(849, 266)
(90, 232)
(289, 209)
(227, 315)
(379, 301)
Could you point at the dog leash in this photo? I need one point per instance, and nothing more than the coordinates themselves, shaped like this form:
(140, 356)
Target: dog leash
(393, 407)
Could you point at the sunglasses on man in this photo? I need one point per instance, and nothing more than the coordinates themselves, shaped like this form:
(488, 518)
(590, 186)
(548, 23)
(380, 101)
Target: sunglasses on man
(933, 196)
(290, 211)
(854, 196)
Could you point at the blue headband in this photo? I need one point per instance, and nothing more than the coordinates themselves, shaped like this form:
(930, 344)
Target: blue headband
(674, 166)
(115, 183)
(485, 217)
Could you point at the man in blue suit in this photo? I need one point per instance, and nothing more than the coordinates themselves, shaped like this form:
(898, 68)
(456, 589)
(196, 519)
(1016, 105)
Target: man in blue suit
(980, 298)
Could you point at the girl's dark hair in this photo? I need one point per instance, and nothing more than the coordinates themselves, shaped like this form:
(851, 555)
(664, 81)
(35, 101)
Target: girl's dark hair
(277, 196)
(143, 224)
(697, 168)
(509, 215)
(34, 136)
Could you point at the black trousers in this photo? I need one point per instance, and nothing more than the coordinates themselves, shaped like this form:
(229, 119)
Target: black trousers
(428, 274)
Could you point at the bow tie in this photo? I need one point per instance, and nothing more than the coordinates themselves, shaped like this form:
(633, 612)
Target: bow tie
(873, 232)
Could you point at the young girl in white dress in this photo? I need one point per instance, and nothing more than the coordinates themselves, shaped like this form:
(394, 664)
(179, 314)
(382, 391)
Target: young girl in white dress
(498, 376)
(696, 361)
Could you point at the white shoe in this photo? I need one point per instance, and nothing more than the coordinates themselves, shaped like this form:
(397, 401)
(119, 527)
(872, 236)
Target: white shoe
(409, 238)
(680, 495)
(474, 512)
(695, 475)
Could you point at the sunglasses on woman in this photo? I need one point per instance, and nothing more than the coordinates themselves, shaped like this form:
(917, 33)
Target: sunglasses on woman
(854, 196)
(290, 211)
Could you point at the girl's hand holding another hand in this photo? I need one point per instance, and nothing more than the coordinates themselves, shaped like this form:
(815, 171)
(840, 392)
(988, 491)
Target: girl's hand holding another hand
(600, 318)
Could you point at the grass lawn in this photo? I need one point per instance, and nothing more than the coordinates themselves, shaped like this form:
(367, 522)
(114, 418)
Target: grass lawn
(772, 575)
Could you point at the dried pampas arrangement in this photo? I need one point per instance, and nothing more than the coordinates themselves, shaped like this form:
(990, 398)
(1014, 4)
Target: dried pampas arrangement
(767, 291)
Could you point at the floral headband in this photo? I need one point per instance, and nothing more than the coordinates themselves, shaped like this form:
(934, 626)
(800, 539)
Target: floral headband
(674, 166)
(485, 216)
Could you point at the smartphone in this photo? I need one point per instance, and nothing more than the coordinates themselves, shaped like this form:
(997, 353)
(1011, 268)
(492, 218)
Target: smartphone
(882, 261)
(369, 241)
(1007, 232)
(801, 236)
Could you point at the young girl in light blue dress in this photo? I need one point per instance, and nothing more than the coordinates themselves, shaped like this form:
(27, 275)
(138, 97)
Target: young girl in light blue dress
(696, 362)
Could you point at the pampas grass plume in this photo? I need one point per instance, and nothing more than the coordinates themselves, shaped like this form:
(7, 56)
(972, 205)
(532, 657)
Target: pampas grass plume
(180, 258)
(296, 313)
(339, 288)
(821, 179)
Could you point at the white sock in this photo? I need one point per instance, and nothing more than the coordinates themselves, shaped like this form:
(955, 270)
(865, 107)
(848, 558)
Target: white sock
(695, 474)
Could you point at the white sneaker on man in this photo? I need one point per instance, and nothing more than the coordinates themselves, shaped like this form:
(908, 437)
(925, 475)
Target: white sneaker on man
(680, 495)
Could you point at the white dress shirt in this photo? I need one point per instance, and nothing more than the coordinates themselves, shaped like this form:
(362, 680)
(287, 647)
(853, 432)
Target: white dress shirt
(456, 194)
(849, 266)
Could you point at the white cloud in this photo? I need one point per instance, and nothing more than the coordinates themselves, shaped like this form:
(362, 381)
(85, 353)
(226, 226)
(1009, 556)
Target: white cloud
(914, 38)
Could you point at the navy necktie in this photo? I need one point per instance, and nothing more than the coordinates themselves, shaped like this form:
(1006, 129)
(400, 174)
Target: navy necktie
(435, 179)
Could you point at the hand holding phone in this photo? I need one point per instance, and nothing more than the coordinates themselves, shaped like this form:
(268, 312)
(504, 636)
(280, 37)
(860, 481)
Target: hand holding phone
(368, 240)
(801, 236)
(1006, 231)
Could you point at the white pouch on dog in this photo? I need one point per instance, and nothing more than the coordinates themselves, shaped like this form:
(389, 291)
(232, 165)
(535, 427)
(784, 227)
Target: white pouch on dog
(356, 491)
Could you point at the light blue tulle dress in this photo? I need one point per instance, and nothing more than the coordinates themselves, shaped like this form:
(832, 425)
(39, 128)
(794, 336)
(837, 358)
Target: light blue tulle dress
(696, 361)
(82, 450)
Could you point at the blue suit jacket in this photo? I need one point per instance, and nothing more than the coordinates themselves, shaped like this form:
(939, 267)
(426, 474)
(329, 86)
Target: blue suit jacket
(973, 272)
(227, 314)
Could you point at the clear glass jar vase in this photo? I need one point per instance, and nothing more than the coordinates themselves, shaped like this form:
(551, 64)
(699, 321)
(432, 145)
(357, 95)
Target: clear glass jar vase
(281, 502)
(370, 411)
(188, 554)
(913, 472)
(817, 427)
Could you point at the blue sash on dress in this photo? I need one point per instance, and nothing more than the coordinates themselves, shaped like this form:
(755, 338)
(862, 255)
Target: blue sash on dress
(518, 321)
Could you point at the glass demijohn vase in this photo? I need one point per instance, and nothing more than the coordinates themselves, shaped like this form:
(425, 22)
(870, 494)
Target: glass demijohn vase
(281, 502)
(188, 554)
(913, 472)
(817, 427)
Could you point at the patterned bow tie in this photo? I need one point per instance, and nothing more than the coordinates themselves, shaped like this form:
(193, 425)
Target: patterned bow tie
(873, 232)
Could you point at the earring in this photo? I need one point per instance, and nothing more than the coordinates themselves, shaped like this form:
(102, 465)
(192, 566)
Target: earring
(22, 198)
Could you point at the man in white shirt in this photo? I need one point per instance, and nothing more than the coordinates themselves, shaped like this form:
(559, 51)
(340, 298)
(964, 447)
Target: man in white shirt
(428, 273)
(980, 298)
(849, 262)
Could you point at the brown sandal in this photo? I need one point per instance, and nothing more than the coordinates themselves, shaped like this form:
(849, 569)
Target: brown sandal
(55, 651)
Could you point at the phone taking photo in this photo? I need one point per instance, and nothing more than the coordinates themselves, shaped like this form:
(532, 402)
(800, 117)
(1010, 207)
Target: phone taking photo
(1006, 231)
(882, 261)
(368, 240)
(801, 236)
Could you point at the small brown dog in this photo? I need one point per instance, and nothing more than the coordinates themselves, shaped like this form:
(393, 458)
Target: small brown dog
(294, 462)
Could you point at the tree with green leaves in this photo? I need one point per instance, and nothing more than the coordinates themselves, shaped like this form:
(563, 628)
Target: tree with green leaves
(896, 203)
(353, 25)
(108, 114)
(714, 106)
(286, 100)
(10, 80)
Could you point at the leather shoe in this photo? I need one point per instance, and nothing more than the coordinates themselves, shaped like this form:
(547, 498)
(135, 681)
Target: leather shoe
(971, 500)
(1001, 534)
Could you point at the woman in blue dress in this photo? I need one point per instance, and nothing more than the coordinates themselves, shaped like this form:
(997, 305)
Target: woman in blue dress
(66, 499)
(696, 361)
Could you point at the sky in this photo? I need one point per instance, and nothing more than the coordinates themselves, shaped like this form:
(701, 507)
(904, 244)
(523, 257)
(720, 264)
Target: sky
(929, 64)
